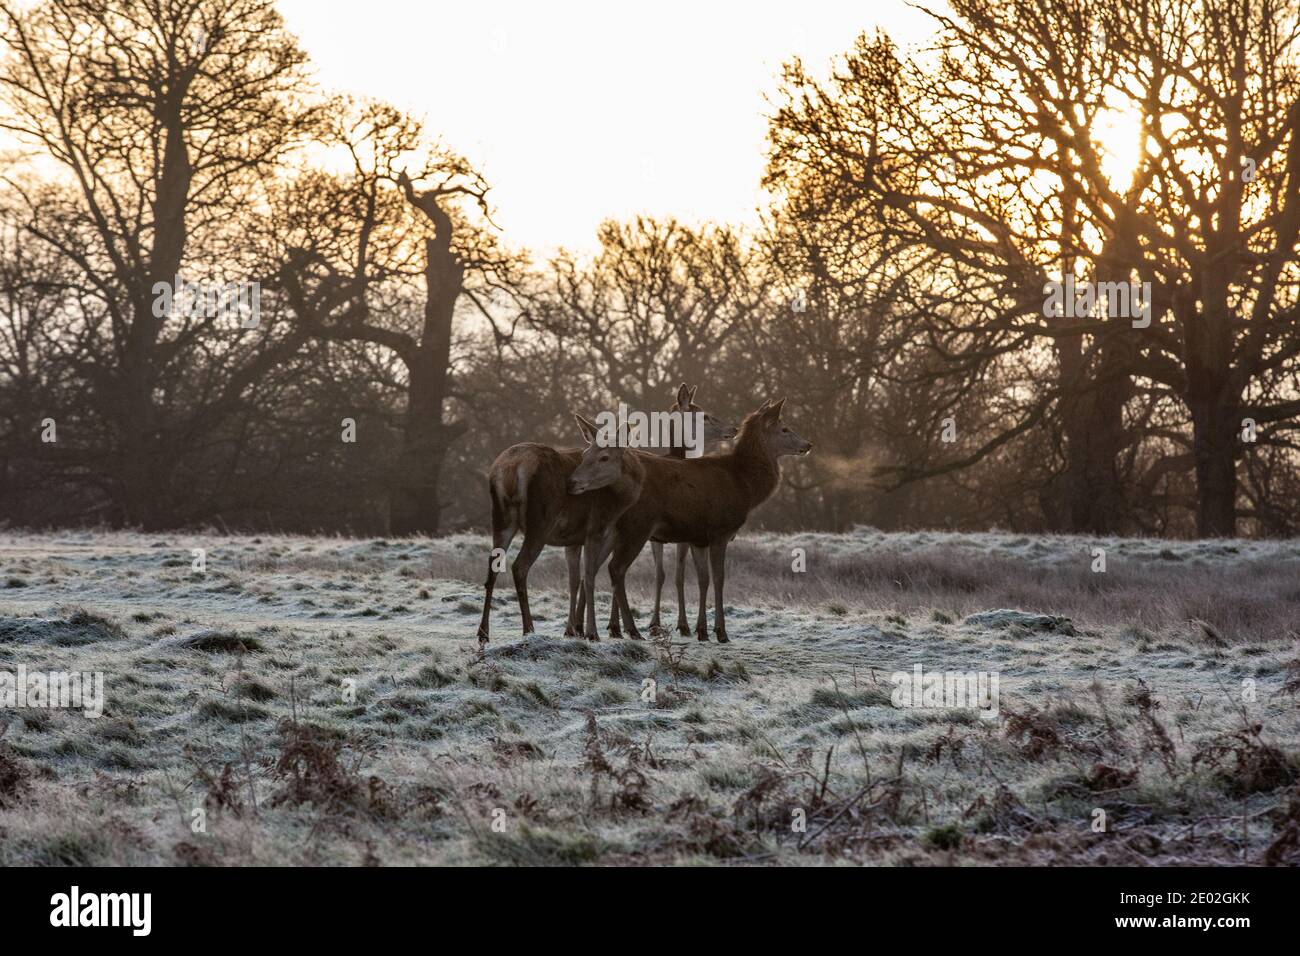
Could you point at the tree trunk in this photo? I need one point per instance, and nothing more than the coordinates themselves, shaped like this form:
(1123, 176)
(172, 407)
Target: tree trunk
(142, 485)
(1094, 391)
(415, 504)
(1213, 397)
(1093, 424)
(1216, 423)
(144, 490)
(415, 507)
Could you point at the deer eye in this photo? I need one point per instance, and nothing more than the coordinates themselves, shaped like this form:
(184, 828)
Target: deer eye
(784, 429)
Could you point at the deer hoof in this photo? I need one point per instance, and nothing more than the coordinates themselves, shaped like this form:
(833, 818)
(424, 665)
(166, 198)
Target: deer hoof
(702, 636)
(482, 636)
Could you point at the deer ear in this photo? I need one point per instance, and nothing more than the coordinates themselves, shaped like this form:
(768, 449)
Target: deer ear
(767, 403)
(694, 389)
(683, 396)
(588, 429)
(775, 411)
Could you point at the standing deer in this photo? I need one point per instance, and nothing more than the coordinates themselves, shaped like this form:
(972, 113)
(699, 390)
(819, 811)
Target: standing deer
(703, 502)
(657, 548)
(715, 430)
(567, 497)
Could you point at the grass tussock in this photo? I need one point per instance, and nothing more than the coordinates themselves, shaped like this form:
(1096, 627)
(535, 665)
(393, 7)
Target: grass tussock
(217, 642)
(15, 777)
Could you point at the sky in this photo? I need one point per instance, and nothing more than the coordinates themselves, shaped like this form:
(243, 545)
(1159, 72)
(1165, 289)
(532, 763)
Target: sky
(579, 111)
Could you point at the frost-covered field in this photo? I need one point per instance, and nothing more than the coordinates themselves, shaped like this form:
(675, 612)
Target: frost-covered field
(321, 700)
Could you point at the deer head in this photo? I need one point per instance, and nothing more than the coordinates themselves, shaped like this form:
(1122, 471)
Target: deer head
(765, 428)
(600, 467)
(715, 429)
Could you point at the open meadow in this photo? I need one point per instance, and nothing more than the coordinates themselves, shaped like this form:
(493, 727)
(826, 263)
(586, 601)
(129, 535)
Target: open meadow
(321, 700)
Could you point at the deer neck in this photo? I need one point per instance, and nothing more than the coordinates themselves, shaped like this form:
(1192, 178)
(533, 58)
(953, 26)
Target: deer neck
(755, 468)
(627, 488)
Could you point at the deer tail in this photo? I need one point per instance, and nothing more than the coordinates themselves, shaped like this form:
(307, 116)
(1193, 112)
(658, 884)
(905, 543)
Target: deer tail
(510, 488)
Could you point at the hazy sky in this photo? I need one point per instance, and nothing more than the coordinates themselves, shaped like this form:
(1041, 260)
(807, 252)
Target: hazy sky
(579, 110)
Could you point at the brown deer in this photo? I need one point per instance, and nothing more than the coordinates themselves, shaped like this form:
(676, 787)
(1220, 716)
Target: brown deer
(657, 547)
(715, 430)
(568, 497)
(703, 502)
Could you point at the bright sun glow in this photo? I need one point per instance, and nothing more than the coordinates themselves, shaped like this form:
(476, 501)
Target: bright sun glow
(1118, 133)
(580, 110)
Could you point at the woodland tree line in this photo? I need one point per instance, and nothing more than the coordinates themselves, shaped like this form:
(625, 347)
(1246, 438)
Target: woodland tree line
(919, 203)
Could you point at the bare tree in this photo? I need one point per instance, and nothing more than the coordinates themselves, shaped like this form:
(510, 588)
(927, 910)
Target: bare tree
(991, 154)
(163, 116)
(361, 241)
(655, 306)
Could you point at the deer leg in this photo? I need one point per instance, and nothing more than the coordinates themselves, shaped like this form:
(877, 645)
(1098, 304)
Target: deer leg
(618, 565)
(532, 547)
(682, 626)
(573, 556)
(604, 552)
(699, 555)
(594, 553)
(718, 565)
(614, 631)
(656, 628)
(503, 532)
(580, 611)
(629, 621)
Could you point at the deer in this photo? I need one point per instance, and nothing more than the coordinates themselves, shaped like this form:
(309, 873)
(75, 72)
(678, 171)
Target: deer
(533, 473)
(657, 547)
(569, 497)
(703, 502)
(715, 430)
